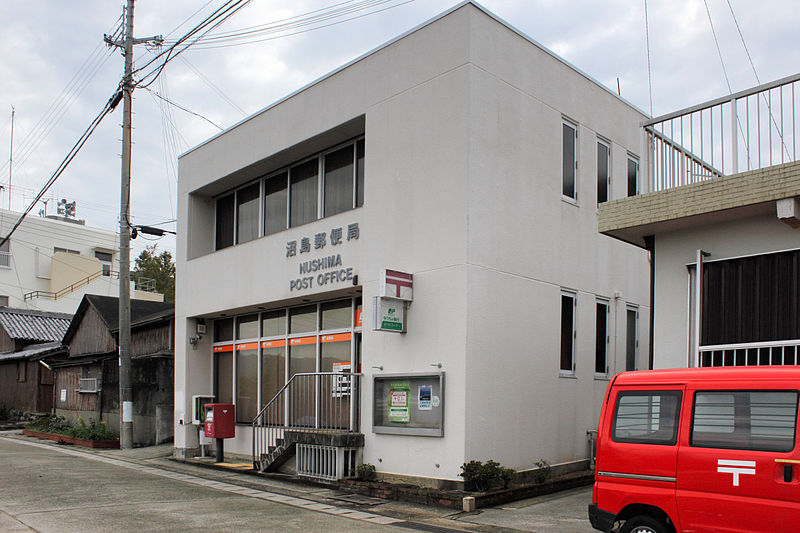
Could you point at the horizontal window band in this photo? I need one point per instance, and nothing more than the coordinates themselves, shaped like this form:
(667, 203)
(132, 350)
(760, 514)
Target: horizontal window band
(624, 475)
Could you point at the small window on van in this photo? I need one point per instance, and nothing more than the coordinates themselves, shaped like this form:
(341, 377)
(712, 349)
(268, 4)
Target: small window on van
(647, 417)
(745, 420)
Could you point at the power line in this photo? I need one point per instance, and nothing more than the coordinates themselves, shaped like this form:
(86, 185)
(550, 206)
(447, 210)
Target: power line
(107, 108)
(154, 93)
(649, 74)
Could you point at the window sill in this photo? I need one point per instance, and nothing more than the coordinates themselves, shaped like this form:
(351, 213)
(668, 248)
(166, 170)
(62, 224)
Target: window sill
(602, 377)
(570, 201)
(567, 374)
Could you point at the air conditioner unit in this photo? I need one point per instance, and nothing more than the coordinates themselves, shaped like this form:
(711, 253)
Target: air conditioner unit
(89, 385)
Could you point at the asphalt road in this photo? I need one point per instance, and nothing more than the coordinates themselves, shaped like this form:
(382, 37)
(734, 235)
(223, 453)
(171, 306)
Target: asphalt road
(49, 488)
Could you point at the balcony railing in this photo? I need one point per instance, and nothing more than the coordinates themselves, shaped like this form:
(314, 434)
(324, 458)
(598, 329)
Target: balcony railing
(70, 288)
(773, 353)
(748, 130)
(5, 259)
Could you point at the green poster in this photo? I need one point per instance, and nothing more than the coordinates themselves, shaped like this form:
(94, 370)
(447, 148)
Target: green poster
(399, 393)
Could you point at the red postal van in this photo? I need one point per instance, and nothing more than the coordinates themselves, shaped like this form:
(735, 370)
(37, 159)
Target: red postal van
(699, 450)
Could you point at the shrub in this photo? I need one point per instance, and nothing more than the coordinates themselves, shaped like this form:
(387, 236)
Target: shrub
(479, 476)
(5, 412)
(542, 471)
(366, 472)
(80, 430)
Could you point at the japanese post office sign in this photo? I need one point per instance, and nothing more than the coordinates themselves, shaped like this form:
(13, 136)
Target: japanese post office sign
(396, 284)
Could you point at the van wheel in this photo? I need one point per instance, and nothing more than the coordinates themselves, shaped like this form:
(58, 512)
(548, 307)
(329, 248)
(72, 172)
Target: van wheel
(644, 524)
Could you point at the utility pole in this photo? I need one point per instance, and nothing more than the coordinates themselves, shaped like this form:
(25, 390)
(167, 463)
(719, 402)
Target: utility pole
(125, 388)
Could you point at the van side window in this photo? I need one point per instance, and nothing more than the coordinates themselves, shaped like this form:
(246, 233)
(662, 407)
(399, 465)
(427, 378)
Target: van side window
(647, 417)
(745, 420)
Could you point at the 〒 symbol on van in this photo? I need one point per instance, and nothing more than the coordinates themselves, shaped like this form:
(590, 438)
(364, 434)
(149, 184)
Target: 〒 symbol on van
(736, 468)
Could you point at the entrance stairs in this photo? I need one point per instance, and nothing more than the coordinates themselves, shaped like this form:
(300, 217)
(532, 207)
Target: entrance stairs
(313, 419)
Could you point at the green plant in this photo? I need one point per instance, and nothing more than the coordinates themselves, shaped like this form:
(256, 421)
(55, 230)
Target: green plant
(59, 425)
(479, 476)
(366, 472)
(5, 412)
(542, 472)
(507, 476)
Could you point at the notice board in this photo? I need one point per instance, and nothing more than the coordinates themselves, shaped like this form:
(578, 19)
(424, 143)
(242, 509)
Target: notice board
(408, 404)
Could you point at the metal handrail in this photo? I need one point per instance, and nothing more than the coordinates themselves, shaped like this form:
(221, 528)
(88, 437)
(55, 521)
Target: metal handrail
(748, 130)
(69, 288)
(319, 402)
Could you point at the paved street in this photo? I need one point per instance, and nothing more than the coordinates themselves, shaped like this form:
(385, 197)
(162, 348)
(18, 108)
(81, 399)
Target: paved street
(64, 489)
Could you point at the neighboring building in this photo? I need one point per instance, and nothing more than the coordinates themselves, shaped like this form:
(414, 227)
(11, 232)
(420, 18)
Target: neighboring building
(25, 337)
(87, 379)
(734, 207)
(49, 263)
(465, 154)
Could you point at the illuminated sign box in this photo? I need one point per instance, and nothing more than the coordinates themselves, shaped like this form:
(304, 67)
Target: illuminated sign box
(390, 315)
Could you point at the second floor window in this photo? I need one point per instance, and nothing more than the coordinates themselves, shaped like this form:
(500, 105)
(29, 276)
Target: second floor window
(569, 133)
(326, 184)
(603, 171)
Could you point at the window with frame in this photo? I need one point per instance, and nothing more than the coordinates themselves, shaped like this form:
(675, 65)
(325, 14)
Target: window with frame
(323, 185)
(568, 332)
(745, 420)
(569, 160)
(5, 254)
(259, 351)
(633, 176)
(601, 337)
(631, 338)
(646, 417)
(603, 171)
(105, 259)
(65, 251)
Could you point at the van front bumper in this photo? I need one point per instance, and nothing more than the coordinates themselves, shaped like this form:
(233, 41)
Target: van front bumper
(600, 519)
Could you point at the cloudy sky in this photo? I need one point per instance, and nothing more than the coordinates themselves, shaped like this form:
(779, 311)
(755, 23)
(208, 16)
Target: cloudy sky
(57, 74)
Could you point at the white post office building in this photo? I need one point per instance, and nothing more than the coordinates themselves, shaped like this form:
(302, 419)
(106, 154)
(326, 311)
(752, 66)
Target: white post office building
(399, 263)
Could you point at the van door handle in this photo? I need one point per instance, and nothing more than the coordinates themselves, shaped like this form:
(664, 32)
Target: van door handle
(787, 473)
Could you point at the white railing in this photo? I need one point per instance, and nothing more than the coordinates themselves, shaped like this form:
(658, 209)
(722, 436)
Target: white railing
(748, 130)
(5, 259)
(315, 402)
(773, 353)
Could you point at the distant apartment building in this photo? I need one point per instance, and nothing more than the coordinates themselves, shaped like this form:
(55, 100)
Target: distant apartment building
(49, 263)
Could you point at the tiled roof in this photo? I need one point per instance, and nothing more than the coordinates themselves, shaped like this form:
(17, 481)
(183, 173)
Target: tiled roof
(33, 350)
(25, 324)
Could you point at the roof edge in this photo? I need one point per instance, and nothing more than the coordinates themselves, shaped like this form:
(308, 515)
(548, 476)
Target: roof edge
(402, 36)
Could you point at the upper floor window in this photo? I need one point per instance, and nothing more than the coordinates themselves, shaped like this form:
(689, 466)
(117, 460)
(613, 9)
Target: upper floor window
(105, 260)
(326, 184)
(568, 332)
(5, 254)
(66, 251)
(569, 166)
(633, 176)
(603, 171)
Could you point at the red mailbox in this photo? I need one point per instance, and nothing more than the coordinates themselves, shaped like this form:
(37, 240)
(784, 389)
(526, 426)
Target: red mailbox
(220, 422)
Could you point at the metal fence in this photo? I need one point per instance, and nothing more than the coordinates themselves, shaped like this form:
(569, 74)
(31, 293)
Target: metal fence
(748, 130)
(773, 353)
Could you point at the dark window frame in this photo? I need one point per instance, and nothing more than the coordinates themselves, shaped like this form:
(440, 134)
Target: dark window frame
(672, 440)
(569, 170)
(603, 186)
(358, 145)
(738, 419)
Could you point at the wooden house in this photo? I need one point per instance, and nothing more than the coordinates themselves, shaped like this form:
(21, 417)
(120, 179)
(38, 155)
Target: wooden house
(87, 378)
(26, 336)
